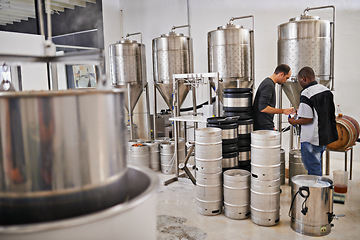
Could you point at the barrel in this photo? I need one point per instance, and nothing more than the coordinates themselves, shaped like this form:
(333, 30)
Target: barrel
(140, 155)
(209, 193)
(236, 193)
(282, 166)
(296, 166)
(265, 202)
(230, 160)
(129, 144)
(237, 99)
(208, 144)
(348, 132)
(229, 127)
(245, 128)
(181, 148)
(167, 160)
(314, 219)
(244, 154)
(154, 151)
(208, 165)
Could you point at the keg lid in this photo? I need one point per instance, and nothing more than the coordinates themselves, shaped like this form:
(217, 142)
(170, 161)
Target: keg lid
(231, 154)
(223, 120)
(241, 115)
(245, 121)
(237, 90)
(311, 181)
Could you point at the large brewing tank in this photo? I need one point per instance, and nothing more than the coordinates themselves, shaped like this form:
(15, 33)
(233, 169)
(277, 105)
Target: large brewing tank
(128, 68)
(231, 53)
(172, 54)
(306, 41)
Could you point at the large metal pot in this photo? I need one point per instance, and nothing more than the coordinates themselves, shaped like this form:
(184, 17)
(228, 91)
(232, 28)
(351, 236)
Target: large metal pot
(62, 154)
(121, 221)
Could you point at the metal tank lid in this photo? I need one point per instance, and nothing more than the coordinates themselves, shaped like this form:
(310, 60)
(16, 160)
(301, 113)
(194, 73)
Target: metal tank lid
(172, 34)
(126, 40)
(304, 17)
(229, 26)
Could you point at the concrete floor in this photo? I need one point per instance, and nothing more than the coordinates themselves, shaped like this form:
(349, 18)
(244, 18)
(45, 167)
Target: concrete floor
(178, 218)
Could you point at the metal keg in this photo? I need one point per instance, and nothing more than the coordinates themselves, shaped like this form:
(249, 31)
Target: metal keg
(181, 149)
(265, 202)
(209, 186)
(167, 158)
(228, 126)
(245, 128)
(237, 193)
(296, 166)
(230, 160)
(306, 41)
(154, 151)
(240, 115)
(237, 99)
(282, 166)
(208, 144)
(208, 165)
(265, 172)
(129, 144)
(209, 208)
(139, 155)
(312, 208)
(230, 51)
(244, 154)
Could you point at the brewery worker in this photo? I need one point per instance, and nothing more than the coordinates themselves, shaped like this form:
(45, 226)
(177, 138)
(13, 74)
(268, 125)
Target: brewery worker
(265, 99)
(316, 115)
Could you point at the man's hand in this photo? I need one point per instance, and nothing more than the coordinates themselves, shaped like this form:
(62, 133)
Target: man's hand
(288, 111)
(292, 121)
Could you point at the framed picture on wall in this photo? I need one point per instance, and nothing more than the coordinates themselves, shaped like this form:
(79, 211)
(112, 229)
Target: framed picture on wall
(84, 76)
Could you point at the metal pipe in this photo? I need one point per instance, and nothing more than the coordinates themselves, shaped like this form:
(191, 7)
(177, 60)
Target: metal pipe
(155, 110)
(252, 43)
(332, 25)
(48, 14)
(248, 16)
(148, 110)
(280, 115)
(132, 34)
(188, 15)
(41, 19)
(130, 112)
(181, 26)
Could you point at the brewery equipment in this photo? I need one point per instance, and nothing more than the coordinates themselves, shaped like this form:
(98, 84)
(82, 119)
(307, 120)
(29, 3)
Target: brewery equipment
(128, 70)
(307, 41)
(231, 53)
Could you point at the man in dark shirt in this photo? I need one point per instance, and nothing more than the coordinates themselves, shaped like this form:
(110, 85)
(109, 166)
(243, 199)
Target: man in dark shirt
(265, 99)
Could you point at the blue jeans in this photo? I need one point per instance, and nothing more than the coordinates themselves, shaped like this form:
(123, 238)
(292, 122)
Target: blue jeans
(311, 156)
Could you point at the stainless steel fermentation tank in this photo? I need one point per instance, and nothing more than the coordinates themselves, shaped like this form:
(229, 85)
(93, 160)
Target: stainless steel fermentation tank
(128, 70)
(231, 53)
(307, 41)
(172, 54)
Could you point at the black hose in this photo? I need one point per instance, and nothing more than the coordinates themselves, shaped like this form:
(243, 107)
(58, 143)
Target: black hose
(197, 107)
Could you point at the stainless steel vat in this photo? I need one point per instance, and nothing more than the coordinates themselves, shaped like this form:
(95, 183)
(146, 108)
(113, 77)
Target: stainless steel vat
(315, 216)
(306, 41)
(296, 166)
(230, 52)
(172, 54)
(122, 219)
(237, 193)
(63, 148)
(128, 68)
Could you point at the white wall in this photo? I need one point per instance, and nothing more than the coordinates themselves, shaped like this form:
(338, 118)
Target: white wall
(156, 17)
(34, 75)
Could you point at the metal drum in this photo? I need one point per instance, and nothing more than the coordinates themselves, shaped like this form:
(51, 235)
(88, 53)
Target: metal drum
(208, 144)
(244, 154)
(296, 166)
(208, 165)
(265, 202)
(230, 52)
(282, 166)
(128, 68)
(306, 41)
(139, 155)
(209, 193)
(181, 150)
(129, 144)
(230, 160)
(63, 154)
(167, 158)
(154, 151)
(172, 54)
(110, 223)
(313, 217)
(245, 128)
(237, 99)
(236, 193)
(228, 126)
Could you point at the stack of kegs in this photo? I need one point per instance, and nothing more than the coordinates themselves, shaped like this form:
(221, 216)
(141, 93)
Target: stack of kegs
(208, 160)
(229, 132)
(238, 102)
(265, 177)
(237, 193)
